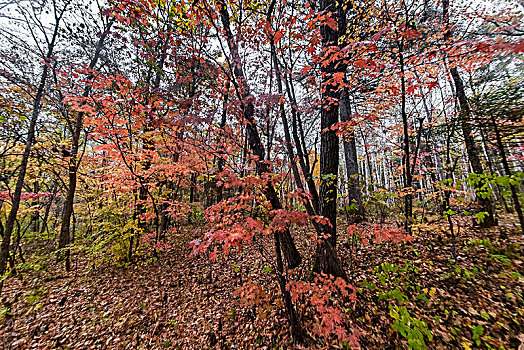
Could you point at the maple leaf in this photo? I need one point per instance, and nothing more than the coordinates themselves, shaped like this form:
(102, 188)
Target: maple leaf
(213, 255)
(278, 35)
(330, 22)
(338, 77)
(432, 84)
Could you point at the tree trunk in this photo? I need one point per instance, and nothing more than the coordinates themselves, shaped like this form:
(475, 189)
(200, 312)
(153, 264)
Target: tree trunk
(408, 197)
(193, 184)
(494, 170)
(287, 135)
(221, 160)
(74, 163)
(507, 170)
(10, 223)
(465, 124)
(350, 153)
(300, 146)
(290, 252)
(44, 227)
(35, 216)
(370, 187)
(284, 244)
(326, 259)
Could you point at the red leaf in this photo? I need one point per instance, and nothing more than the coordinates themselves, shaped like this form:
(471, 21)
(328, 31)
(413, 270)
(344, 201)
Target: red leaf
(360, 63)
(213, 255)
(330, 22)
(432, 84)
(305, 69)
(278, 35)
(518, 47)
(338, 77)
(411, 33)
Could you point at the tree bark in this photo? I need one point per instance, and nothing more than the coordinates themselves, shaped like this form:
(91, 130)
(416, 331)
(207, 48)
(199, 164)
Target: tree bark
(326, 259)
(408, 197)
(287, 135)
(35, 216)
(284, 244)
(350, 153)
(221, 160)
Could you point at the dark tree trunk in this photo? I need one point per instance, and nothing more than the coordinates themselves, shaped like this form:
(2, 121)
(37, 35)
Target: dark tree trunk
(350, 153)
(35, 217)
(471, 148)
(465, 124)
(507, 170)
(494, 170)
(10, 223)
(287, 135)
(193, 184)
(329, 162)
(64, 238)
(408, 197)
(329, 143)
(299, 139)
(326, 259)
(296, 330)
(48, 208)
(221, 160)
(284, 244)
(290, 252)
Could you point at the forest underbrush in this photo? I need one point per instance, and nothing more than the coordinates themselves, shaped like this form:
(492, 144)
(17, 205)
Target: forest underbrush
(424, 292)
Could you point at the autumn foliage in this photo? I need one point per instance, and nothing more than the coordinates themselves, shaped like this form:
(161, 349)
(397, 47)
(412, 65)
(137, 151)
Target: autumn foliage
(313, 174)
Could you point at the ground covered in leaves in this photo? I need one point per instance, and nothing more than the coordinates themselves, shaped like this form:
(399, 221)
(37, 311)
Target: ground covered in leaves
(466, 297)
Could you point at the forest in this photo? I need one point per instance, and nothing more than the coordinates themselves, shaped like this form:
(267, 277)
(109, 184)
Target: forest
(261, 174)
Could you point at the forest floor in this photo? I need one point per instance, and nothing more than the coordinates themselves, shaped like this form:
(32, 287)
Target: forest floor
(473, 299)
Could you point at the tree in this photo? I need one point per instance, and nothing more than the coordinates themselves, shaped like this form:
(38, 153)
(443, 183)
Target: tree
(501, 109)
(465, 124)
(58, 9)
(331, 30)
(75, 129)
